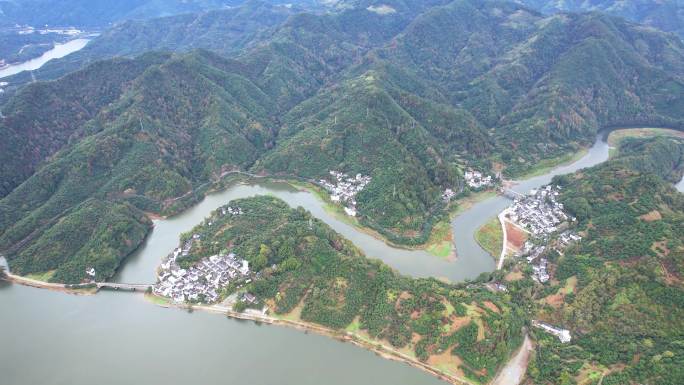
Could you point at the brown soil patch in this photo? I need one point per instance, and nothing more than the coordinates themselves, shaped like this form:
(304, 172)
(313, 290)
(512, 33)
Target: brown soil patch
(660, 248)
(153, 216)
(514, 276)
(672, 276)
(457, 323)
(616, 196)
(652, 216)
(447, 362)
(491, 306)
(555, 300)
(516, 237)
(402, 297)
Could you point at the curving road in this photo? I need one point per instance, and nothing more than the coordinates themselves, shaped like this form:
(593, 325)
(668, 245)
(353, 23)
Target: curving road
(514, 371)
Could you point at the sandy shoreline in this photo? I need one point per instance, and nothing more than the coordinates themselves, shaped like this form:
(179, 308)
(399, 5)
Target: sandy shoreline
(340, 335)
(48, 285)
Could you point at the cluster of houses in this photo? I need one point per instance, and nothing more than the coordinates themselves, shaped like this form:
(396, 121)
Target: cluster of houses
(231, 210)
(28, 30)
(203, 281)
(567, 237)
(562, 334)
(539, 212)
(542, 215)
(539, 264)
(476, 180)
(343, 189)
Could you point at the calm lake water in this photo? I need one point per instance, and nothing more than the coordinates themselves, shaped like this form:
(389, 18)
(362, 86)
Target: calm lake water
(58, 51)
(119, 338)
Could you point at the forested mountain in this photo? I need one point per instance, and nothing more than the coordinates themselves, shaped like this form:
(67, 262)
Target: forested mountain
(225, 31)
(666, 15)
(662, 156)
(407, 94)
(542, 83)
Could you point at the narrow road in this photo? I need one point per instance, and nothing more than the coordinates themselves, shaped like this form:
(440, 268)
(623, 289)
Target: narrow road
(502, 220)
(514, 370)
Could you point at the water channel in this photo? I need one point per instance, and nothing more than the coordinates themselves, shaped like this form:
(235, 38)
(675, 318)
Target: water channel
(58, 51)
(116, 338)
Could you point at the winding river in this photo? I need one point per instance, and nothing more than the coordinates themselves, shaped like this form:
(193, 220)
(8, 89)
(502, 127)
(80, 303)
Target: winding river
(58, 51)
(116, 338)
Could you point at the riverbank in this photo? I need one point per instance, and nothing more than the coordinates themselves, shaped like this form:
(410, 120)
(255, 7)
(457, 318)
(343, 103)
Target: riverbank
(616, 136)
(58, 51)
(439, 243)
(545, 166)
(378, 348)
(60, 287)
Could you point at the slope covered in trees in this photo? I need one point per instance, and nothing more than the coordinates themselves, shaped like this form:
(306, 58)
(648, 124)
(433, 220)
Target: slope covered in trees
(178, 124)
(620, 290)
(310, 272)
(408, 97)
(661, 155)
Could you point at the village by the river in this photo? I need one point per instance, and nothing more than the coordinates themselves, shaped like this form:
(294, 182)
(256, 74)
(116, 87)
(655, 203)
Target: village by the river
(230, 347)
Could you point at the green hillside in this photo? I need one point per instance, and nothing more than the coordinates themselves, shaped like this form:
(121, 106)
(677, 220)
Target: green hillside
(310, 273)
(620, 289)
(359, 90)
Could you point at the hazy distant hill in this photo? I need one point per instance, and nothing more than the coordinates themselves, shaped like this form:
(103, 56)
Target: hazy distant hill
(225, 31)
(101, 13)
(666, 15)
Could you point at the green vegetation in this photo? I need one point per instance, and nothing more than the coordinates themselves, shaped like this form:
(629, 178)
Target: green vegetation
(306, 265)
(44, 277)
(490, 237)
(659, 155)
(626, 310)
(93, 234)
(384, 95)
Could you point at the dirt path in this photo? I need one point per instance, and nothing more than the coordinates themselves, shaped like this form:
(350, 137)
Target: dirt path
(502, 220)
(514, 371)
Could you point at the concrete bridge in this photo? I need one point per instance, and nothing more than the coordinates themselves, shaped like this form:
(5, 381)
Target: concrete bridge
(508, 193)
(123, 286)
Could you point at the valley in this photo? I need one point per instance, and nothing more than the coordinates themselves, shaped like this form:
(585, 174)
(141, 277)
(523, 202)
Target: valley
(478, 189)
(141, 266)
